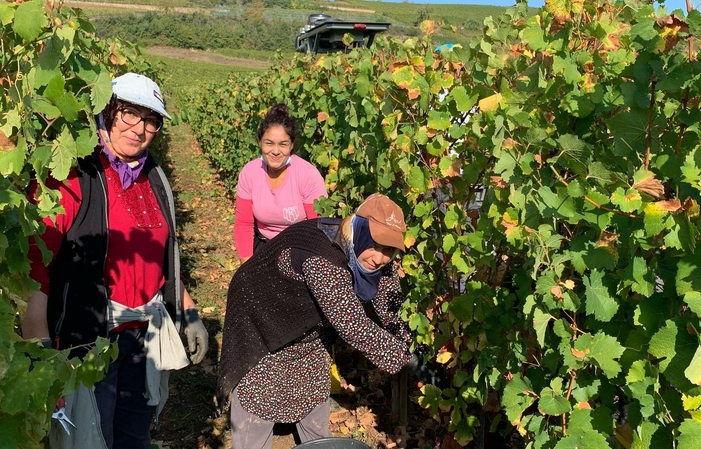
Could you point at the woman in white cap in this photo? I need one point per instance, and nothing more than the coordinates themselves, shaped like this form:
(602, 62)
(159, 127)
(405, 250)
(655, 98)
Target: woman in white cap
(284, 305)
(115, 270)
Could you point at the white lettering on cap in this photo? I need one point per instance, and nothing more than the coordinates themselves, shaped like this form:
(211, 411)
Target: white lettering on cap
(392, 221)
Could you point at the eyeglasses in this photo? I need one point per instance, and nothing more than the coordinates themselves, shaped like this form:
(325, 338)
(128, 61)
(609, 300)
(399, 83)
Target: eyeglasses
(131, 117)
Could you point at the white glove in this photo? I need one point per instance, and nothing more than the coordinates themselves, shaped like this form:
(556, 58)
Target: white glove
(197, 336)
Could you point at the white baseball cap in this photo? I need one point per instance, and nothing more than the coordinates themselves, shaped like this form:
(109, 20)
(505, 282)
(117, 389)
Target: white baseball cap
(139, 90)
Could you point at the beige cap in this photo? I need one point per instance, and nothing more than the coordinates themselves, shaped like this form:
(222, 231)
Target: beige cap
(386, 220)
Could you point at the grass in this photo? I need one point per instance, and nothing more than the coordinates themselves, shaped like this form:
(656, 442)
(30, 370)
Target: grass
(261, 55)
(177, 74)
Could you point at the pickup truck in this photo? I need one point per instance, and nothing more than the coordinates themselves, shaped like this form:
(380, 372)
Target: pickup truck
(324, 34)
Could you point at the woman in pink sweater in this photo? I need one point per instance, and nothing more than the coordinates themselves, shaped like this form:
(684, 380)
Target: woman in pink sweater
(276, 190)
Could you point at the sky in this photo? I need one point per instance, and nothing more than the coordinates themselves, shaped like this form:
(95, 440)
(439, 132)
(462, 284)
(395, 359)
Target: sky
(670, 4)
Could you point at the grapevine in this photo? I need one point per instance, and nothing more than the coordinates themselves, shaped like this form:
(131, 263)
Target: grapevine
(564, 303)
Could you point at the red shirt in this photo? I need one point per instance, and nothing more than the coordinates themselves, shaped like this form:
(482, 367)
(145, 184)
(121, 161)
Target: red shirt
(137, 237)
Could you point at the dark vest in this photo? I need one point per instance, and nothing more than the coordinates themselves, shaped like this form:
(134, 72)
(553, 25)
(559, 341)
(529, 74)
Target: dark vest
(78, 296)
(267, 310)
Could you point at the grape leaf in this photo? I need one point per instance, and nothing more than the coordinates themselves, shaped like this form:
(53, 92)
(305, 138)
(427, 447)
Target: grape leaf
(518, 396)
(676, 348)
(602, 349)
(599, 301)
(587, 440)
(30, 19)
(690, 434)
(693, 371)
(63, 154)
(552, 403)
(101, 91)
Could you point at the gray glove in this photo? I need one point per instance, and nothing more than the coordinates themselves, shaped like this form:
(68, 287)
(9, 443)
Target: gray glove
(197, 336)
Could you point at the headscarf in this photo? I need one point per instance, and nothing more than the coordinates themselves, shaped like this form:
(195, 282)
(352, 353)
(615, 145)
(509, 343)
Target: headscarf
(128, 171)
(365, 282)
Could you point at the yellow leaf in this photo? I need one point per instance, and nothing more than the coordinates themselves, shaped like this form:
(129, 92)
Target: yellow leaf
(490, 103)
(444, 357)
(691, 402)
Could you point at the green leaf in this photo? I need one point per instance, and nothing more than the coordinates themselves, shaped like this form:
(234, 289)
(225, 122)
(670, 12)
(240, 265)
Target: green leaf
(655, 219)
(63, 153)
(438, 120)
(676, 349)
(627, 200)
(587, 440)
(541, 320)
(55, 88)
(416, 179)
(430, 398)
(602, 349)
(12, 160)
(462, 307)
(463, 101)
(688, 278)
(518, 396)
(628, 128)
(419, 323)
(568, 68)
(101, 91)
(693, 371)
(643, 278)
(643, 438)
(30, 19)
(7, 13)
(559, 204)
(451, 218)
(86, 142)
(69, 107)
(599, 301)
(552, 403)
(690, 434)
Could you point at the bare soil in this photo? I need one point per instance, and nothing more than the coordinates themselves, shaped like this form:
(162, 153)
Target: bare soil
(206, 56)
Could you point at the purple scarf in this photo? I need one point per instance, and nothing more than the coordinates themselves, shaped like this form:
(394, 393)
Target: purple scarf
(127, 173)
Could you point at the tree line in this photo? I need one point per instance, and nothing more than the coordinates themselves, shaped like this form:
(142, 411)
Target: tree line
(200, 31)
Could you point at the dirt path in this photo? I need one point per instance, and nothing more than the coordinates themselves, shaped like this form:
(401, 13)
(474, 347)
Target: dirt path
(206, 56)
(341, 8)
(105, 5)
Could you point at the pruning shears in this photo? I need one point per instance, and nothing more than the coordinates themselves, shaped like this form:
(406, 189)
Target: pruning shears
(60, 414)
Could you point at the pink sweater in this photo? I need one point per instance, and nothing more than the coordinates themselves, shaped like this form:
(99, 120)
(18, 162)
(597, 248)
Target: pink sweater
(274, 209)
